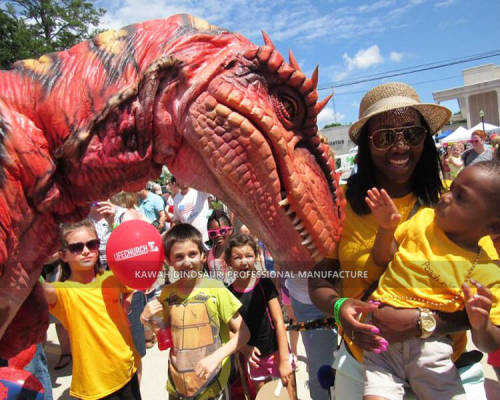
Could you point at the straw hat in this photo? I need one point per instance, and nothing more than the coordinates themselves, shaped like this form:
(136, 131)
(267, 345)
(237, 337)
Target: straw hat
(391, 96)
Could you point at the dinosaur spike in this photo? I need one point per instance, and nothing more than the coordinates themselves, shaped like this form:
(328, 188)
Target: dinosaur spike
(251, 54)
(264, 53)
(319, 106)
(267, 39)
(293, 61)
(314, 77)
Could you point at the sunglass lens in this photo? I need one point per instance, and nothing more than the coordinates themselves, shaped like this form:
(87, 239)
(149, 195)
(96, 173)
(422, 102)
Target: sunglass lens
(212, 234)
(414, 135)
(93, 245)
(383, 138)
(76, 247)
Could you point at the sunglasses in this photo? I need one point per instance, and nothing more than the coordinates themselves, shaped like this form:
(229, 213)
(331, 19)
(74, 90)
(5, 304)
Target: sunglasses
(213, 233)
(77, 248)
(383, 139)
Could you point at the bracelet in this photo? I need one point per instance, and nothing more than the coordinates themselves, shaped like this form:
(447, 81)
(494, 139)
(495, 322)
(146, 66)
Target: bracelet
(336, 310)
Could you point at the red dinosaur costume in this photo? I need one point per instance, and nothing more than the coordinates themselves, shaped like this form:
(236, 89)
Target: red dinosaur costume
(224, 115)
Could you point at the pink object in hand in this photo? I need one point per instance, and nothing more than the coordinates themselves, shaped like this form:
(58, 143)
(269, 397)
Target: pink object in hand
(164, 336)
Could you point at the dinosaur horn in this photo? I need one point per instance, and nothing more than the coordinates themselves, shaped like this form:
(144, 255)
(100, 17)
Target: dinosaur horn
(267, 39)
(251, 54)
(314, 77)
(319, 106)
(293, 61)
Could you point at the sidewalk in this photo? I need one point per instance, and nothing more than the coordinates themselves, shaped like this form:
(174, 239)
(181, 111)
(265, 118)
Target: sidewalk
(154, 373)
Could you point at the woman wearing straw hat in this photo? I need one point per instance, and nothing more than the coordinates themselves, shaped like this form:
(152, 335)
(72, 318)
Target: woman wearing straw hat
(395, 152)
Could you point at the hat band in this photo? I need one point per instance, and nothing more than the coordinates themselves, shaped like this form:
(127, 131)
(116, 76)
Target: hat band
(390, 103)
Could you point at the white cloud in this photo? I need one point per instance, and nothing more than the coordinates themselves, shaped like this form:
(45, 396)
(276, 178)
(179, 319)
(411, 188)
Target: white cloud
(443, 25)
(395, 56)
(444, 3)
(327, 116)
(299, 21)
(375, 6)
(364, 58)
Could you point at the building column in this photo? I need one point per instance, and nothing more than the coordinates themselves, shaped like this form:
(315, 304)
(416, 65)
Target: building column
(498, 103)
(467, 111)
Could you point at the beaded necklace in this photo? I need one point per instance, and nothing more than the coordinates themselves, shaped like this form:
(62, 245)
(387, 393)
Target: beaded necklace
(434, 276)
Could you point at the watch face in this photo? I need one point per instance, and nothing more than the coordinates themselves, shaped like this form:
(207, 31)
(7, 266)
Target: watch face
(428, 323)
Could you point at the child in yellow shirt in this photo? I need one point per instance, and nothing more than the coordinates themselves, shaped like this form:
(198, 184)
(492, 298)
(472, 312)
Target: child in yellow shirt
(200, 313)
(89, 304)
(433, 260)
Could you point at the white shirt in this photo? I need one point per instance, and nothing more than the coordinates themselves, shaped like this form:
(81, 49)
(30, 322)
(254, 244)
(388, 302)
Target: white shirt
(192, 208)
(298, 289)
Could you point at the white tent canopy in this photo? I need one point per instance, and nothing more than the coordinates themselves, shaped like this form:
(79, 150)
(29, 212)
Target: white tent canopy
(459, 135)
(487, 127)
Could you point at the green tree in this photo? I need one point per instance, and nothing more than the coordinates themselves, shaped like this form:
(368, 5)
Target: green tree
(30, 28)
(331, 125)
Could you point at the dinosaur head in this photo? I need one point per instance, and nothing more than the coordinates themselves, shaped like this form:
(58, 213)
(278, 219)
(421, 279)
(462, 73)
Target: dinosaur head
(226, 116)
(249, 136)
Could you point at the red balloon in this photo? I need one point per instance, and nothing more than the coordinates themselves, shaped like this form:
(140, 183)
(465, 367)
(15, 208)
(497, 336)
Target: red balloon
(135, 253)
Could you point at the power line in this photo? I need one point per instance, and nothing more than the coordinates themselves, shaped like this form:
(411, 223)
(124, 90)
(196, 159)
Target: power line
(409, 83)
(412, 70)
(487, 53)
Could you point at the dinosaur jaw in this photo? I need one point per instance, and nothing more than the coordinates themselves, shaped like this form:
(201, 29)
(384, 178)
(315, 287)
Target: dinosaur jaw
(279, 184)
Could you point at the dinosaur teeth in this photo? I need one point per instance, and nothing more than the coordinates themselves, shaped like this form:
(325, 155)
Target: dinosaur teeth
(284, 202)
(307, 241)
(296, 221)
(299, 227)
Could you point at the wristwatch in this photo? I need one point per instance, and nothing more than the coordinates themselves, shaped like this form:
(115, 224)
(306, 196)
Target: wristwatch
(426, 323)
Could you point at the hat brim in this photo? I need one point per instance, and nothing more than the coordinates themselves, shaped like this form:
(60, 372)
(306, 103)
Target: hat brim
(435, 115)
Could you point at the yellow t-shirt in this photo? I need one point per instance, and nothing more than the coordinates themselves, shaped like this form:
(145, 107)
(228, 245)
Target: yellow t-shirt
(104, 357)
(358, 237)
(197, 321)
(354, 248)
(428, 271)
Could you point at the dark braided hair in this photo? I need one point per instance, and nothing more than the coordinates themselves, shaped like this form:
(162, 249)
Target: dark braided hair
(426, 183)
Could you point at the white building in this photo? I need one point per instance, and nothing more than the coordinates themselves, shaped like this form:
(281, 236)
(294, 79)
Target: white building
(481, 91)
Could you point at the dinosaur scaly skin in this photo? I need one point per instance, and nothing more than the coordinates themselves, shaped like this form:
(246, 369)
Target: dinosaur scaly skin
(224, 115)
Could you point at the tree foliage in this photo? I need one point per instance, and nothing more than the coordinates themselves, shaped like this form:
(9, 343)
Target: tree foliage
(30, 28)
(332, 125)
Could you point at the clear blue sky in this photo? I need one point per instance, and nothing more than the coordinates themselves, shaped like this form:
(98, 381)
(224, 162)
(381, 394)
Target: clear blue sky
(348, 39)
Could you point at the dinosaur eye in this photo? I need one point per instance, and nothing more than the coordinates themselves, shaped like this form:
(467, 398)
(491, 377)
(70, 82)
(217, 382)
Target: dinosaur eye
(288, 108)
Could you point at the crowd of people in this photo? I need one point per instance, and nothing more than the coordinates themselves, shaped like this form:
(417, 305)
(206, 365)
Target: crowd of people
(426, 239)
(455, 156)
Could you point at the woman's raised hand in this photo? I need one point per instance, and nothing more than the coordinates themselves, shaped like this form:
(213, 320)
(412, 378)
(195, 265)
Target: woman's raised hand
(383, 208)
(363, 335)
